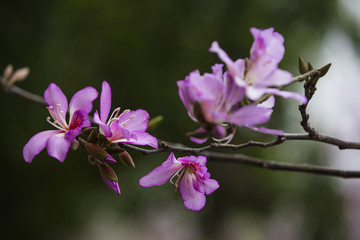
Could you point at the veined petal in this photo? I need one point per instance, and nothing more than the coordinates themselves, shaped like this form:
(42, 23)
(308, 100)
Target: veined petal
(113, 185)
(56, 99)
(79, 119)
(142, 138)
(37, 143)
(83, 100)
(134, 120)
(193, 199)
(215, 48)
(210, 185)
(105, 101)
(106, 130)
(250, 115)
(285, 94)
(119, 134)
(58, 146)
(161, 174)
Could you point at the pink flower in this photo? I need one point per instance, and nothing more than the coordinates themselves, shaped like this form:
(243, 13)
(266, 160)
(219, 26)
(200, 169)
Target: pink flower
(58, 142)
(192, 179)
(214, 100)
(127, 127)
(261, 74)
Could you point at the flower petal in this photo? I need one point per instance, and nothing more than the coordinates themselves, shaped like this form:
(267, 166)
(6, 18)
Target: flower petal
(142, 138)
(119, 134)
(268, 103)
(58, 145)
(37, 143)
(250, 115)
(79, 119)
(83, 100)
(105, 101)
(193, 199)
(113, 185)
(134, 120)
(267, 130)
(105, 129)
(285, 94)
(277, 78)
(161, 174)
(210, 185)
(56, 99)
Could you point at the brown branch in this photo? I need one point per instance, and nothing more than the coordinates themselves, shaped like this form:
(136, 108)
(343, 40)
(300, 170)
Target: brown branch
(271, 165)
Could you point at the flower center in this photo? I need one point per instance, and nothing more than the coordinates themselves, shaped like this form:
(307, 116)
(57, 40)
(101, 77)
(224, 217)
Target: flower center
(58, 116)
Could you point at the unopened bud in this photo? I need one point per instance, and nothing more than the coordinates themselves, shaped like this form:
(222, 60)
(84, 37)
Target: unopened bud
(302, 66)
(107, 172)
(91, 160)
(126, 159)
(154, 122)
(310, 66)
(96, 151)
(8, 71)
(19, 75)
(219, 132)
(75, 145)
(324, 69)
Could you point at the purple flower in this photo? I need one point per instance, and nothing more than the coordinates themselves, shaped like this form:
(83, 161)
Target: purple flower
(192, 178)
(214, 100)
(127, 127)
(261, 73)
(58, 142)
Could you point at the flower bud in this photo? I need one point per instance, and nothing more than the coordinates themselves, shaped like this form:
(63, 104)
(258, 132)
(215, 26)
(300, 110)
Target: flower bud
(8, 71)
(96, 151)
(302, 66)
(107, 172)
(91, 160)
(113, 185)
(93, 136)
(19, 75)
(126, 159)
(154, 122)
(75, 145)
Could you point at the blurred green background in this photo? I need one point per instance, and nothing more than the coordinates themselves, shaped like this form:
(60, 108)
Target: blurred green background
(142, 48)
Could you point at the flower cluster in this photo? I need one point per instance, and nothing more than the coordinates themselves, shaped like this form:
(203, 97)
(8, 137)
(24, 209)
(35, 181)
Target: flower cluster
(219, 101)
(242, 95)
(128, 127)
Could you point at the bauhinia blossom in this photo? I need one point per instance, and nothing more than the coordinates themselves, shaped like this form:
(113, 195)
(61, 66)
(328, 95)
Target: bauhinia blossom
(215, 101)
(127, 127)
(58, 142)
(187, 173)
(261, 74)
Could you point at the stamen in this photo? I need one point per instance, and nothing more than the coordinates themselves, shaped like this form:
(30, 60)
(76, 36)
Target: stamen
(56, 124)
(113, 116)
(179, 173)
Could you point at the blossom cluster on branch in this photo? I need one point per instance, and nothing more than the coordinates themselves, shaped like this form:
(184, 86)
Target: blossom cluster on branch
(242, 95)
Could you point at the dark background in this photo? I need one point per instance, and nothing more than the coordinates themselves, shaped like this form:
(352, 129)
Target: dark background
(142, 48)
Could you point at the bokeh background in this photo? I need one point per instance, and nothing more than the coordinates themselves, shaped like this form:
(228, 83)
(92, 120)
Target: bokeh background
(142, 48)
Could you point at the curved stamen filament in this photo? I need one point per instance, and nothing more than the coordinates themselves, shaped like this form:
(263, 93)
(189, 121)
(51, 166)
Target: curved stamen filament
(56, 124)
(59, 122)
(113, 116)
(179, 173)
